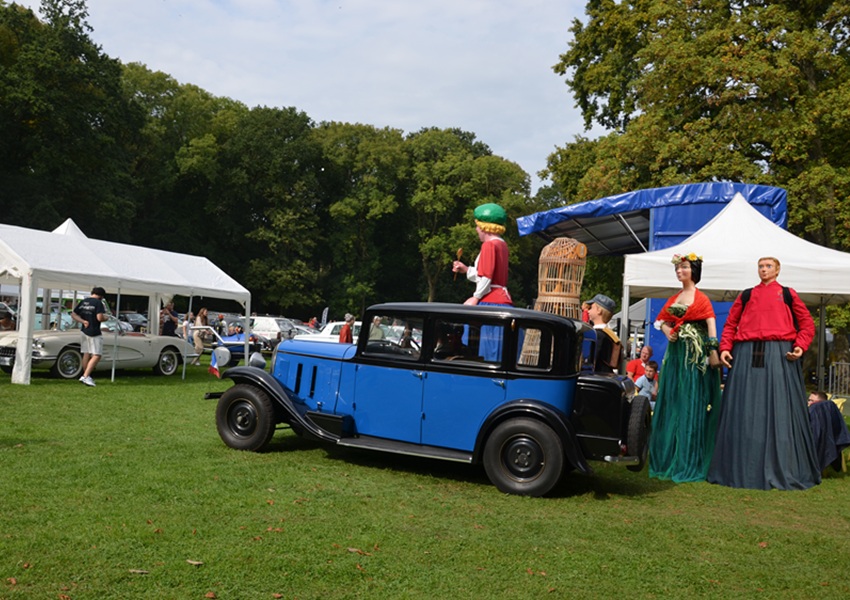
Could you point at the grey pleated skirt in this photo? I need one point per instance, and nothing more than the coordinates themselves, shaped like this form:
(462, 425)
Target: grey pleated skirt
(764, 439)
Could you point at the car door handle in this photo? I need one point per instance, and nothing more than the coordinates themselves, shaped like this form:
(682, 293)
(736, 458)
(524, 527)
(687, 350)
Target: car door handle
(418, 374)
(500, 383)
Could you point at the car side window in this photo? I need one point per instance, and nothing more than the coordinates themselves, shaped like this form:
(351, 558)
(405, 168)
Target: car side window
(468, 340)
(536, 349)
(396, 336)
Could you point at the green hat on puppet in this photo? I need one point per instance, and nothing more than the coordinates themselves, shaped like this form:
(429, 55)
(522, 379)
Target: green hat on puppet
(491, 218)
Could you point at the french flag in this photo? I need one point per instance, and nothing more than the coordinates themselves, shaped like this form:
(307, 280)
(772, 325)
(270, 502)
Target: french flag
(214, 366)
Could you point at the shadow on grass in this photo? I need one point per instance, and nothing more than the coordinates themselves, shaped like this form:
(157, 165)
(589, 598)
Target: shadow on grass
(606, 483)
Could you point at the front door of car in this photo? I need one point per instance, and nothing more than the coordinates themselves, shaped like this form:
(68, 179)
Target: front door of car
(388, 401)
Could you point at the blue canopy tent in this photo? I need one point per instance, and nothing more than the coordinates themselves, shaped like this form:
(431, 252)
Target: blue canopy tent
(649, 220)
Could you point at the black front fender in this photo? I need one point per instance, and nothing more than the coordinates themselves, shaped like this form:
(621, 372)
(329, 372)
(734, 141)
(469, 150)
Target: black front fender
(292, 412)
(543, 412)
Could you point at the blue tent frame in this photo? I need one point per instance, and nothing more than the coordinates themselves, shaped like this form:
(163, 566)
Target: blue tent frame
(650, 219)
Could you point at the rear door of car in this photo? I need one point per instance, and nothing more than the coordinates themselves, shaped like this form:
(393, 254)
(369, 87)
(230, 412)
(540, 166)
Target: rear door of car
(463, 383)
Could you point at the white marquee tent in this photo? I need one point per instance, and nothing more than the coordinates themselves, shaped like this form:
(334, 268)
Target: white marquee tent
(731, 244)
(66, 259)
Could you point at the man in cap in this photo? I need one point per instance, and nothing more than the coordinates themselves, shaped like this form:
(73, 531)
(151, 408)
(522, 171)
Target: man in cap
(490, 271)
(609, 350)
(90, 313)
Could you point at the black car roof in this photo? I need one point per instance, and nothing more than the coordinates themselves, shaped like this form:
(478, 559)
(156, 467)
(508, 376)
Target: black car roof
(445, 308)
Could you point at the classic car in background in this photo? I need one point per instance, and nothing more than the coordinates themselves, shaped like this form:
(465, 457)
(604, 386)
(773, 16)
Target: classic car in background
(234, 342)
(492, 385)
(59, 351)
(330, 332)
(138, 321)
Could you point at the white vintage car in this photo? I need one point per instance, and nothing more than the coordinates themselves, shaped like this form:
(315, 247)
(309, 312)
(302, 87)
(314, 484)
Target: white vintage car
(330, 333)
(59, 351)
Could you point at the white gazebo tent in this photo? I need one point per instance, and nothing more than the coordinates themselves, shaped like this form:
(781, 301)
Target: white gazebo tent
(731, 244)
(66, 259)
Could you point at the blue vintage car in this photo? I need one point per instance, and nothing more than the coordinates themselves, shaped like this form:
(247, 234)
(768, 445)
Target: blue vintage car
(498, 386)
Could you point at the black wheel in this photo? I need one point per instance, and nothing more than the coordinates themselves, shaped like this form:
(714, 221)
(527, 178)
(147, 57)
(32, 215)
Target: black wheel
(245, 418)
(525, 457)
(69, 364)
(637, 438)
(167, 363)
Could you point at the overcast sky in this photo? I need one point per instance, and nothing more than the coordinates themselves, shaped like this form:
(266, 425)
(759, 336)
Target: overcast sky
(484, 66)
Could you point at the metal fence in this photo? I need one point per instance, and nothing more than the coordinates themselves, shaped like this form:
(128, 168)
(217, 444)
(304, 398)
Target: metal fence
(839, 379)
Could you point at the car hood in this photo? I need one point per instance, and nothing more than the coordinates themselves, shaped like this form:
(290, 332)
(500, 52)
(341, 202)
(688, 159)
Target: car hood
(313, 348)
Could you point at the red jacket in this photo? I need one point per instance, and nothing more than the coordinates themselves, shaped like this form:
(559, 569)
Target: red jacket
(767, 317)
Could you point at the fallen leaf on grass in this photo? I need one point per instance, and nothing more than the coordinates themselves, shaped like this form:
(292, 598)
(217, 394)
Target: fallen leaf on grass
(26, 565)
(359, 551)
(194, 563)
(210, 595)
(762, 544)
(359, 568)
(138, 572)
(12, 581)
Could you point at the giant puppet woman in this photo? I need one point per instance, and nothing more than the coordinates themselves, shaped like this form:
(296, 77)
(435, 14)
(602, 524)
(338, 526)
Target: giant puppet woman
(684, 422)
(489, 273)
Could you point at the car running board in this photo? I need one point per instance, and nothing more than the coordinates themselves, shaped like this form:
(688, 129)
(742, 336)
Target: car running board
(372, 443)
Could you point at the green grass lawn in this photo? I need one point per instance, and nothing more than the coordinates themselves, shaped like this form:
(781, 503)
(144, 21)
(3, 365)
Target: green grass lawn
(126, 491)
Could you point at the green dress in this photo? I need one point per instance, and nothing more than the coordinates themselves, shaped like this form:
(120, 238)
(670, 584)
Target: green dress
(687, 410)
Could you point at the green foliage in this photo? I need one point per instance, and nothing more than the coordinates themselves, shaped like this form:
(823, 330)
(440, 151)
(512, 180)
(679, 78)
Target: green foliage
(124, 491)
(710, 90)
(706, 90)
(453, 173)
(66, 130)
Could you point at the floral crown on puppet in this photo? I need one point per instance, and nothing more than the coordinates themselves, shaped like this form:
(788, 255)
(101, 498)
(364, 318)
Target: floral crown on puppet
(690, 257)
(490, 218)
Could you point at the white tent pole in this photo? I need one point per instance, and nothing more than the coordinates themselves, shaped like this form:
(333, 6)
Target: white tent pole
(117, 331)
(188, 330)
(247, 329)
(821, 342)
(624, 318)
(26, 312)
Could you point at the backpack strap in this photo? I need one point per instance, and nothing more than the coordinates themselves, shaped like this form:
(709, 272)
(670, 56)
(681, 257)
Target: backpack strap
(786, 295)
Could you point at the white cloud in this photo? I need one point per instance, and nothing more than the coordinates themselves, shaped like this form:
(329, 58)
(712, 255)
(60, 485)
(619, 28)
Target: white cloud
(481, 65)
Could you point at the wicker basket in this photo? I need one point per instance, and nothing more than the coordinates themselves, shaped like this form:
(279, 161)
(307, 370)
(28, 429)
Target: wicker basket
(559, 305)
(561, 268)
(560, 274)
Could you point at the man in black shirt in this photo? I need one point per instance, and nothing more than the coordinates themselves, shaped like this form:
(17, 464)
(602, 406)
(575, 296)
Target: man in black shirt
(90, 312)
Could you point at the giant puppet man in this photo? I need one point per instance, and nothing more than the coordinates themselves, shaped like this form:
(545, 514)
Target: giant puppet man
(489, 273)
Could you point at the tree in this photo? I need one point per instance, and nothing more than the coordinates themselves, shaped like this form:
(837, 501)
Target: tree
(452, 173)
(176, 158)
(66, 130)
(265, 207)
(370, 247)
(708, 89)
